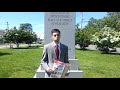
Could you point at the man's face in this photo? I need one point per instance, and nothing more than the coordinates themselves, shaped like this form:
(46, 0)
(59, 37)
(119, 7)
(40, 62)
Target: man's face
(56, 36)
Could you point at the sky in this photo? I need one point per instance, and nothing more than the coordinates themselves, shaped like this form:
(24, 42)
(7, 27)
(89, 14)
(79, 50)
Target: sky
(36, 19)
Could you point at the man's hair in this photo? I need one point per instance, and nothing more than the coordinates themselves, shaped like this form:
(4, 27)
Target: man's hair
(55, 30)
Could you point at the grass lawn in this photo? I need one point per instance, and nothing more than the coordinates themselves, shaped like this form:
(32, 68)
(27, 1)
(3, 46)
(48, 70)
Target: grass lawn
(19, 63)
(97, 65)
(23, 63)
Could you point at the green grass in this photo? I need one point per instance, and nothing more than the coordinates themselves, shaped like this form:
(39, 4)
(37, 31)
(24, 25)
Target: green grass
(23, 63)
(19, 63)
(97, 65)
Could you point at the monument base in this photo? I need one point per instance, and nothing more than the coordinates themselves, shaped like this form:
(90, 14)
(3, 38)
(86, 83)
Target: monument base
(73, 74)
(74, 71)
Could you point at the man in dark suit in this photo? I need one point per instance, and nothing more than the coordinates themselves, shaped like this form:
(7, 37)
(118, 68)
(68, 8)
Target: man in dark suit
(53, 51)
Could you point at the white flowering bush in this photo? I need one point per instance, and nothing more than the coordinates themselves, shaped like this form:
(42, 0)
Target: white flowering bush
(106, 38)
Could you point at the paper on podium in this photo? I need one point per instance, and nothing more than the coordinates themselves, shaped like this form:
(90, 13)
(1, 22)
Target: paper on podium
(60, 69)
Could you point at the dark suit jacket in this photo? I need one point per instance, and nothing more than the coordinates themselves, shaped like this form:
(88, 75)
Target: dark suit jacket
(49, 56)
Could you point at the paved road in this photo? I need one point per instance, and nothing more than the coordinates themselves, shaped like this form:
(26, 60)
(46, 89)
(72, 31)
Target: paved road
(93, 47)
(90, 47)
(14, 45)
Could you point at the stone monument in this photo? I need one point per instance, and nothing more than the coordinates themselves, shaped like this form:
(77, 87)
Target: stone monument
(65, 22)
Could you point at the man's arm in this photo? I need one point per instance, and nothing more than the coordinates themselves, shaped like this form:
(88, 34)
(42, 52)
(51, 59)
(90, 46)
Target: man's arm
(66, 55)
(44, 61)
(67, 61)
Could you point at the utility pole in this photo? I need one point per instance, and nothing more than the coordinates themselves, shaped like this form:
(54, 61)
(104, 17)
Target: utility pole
(81, 19)
(7, 26)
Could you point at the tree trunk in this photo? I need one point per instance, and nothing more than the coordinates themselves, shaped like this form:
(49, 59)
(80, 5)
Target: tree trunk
(17, 45)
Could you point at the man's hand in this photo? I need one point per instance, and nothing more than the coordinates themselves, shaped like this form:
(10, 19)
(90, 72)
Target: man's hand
(67, 74)
(50, 70)
(67, 65)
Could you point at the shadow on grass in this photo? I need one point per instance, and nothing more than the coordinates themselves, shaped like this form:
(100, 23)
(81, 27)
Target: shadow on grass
(31, 47)
(84, 49)
(111, 53)
(1, 54)
(102, 52)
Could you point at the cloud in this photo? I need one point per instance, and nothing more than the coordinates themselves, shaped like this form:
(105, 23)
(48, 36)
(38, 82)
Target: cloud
(40, 34)
(39, 25)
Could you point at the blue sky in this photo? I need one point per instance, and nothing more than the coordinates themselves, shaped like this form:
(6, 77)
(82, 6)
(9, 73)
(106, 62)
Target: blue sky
(37, 19)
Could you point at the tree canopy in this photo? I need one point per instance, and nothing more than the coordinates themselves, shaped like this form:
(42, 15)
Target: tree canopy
(25, 26)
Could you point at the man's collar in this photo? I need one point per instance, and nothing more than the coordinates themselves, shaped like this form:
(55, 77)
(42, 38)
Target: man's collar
(55, 44)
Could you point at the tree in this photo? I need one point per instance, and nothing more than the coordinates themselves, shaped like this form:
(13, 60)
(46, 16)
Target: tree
(82, 38)
(77, 27)
(1, 39)
(27, 35)
(92, 22)
(112, 20)
(25, 26)
(30, 37)
(12, 36)
(95, 24)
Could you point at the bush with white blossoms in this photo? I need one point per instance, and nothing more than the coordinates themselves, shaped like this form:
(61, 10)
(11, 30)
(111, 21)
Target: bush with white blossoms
(107, 38)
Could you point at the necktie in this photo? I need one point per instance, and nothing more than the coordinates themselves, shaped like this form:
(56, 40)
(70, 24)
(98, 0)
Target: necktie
(57, 52)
